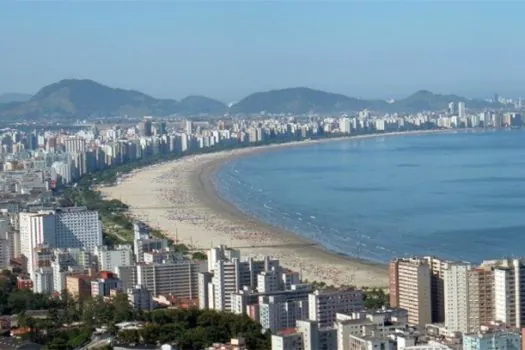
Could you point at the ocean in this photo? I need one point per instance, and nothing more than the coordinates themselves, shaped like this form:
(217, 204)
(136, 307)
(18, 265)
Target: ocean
(454, 195)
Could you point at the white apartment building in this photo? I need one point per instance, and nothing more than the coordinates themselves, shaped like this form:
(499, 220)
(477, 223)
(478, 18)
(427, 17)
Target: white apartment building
(35, 229)
(232, 276)
(144, 245)
(140, 298)
(325, 304)
(74, 227)
(277, 312)
(306, 336)
(381, 323)
(108, 259)
(43, 281)
(178, 279)
(77, 227)
(223, 253)
(456, 282)
(509, 292)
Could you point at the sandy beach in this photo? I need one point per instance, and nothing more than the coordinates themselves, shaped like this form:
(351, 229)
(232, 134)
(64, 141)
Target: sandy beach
(179, 198)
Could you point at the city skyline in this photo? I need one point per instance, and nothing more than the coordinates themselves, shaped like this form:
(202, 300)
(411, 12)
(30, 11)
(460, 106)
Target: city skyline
(225, 50)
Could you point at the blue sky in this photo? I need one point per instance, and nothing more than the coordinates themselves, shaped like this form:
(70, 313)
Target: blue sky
(227, 50)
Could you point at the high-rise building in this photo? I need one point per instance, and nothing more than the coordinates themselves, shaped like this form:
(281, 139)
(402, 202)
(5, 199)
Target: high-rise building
(437, 291)
(188, 127)
(509, 292)
(128, 276)
(77, 227)
(79, 286)
(231, 276)
(323, 305)
(344, 125)
(456, 297)
(35, 229)
(410, 288)
(461, 110)
(5, 253)
(307, 335)
(144, 245)
(74, 227)
(74, 144)
(43, 280)
(108, 259)
(140, 298)
(146, 127)
(480, 297)
(221, 252)
(451, 109)
(180, 279)
(281, 311)
(106, 282)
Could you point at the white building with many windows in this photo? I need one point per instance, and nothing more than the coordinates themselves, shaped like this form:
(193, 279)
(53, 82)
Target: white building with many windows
(108, 259)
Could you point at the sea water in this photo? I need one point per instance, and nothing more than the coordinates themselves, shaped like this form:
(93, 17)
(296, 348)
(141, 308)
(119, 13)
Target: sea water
(454, 195)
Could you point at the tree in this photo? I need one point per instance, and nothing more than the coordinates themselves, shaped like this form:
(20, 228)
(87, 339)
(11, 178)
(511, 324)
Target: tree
(376, 298)
(150, 334)
(129, 336)
(122, 308)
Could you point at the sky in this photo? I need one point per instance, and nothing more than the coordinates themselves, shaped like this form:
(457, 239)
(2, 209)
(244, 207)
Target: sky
(227, 50)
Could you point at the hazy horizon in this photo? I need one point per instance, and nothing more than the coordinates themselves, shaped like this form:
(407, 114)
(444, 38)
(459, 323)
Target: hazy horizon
(227, 50)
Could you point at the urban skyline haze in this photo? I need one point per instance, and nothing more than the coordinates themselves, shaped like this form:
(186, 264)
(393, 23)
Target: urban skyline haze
(227, 50)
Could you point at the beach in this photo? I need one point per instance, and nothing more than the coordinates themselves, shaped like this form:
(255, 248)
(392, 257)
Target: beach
(179, 198)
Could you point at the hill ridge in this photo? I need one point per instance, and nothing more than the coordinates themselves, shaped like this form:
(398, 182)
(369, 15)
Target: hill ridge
(87, 98)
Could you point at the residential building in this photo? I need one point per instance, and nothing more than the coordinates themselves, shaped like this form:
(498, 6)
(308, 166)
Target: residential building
(456, 297)
(43, 282)
(232, 276)
(105, 283)
(277, 312)
(35, 229)
(223, 253)
(178, 279)
(480, 297)
(140, 298)
(492, 340)
(323, 305)
(73, 227)
(204, 289)
(79, 286)
(437, 290)
(369, 342)
(410, 288)
(143, 245)
(77, 227)
(509, 292)
(108, 259)
(5, 253)
(307, 335)
(127, 275)
(380, 323)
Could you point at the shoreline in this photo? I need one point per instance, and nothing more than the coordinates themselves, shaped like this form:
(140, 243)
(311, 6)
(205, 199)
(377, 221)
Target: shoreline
(184, 203)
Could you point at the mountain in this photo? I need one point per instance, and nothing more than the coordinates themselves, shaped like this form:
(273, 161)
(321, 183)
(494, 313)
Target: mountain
(13, 97)
(424, 100)
(201, 104)
(85, 98)
(304, 100)
(301, 100)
